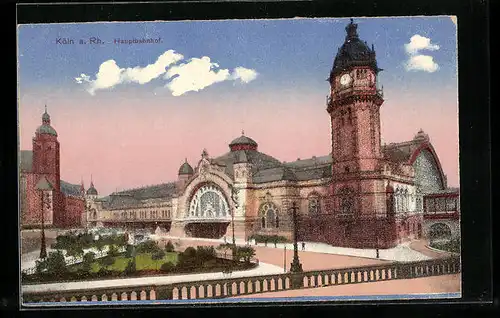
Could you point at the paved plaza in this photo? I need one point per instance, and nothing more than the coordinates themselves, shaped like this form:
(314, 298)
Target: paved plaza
(272, 260)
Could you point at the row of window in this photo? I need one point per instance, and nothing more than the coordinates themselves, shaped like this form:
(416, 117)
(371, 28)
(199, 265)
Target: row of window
(155, 214)
(441, 204)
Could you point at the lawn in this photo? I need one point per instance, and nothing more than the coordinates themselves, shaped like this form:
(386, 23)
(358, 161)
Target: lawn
(143, 262)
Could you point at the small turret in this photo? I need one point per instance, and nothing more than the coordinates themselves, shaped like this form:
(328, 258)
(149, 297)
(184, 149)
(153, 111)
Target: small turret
(92, 191)
(185, 172)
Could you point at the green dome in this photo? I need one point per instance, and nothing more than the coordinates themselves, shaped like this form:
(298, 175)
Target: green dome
(91, 191)
(243, 140)
(46, 129)
(186, 169)
(45, 116)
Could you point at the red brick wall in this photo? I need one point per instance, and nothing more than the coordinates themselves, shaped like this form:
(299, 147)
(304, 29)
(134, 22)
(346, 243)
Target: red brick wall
(72, 214)
(46, 158)
(33, 204)
(354, 233)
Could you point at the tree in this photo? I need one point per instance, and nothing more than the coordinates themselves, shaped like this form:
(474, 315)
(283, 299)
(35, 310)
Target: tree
(246, 252)
(130, 251)
(131, 267)
(148, 247)
(113, 251)
(55, 263)
(169, 247)
(158, 255)
(224, 248)
(204, 253)
(88, 260)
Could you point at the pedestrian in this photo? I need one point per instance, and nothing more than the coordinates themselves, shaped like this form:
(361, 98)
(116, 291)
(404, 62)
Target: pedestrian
(225, 241)
(265, 242)
(275, 244)
(303, 246)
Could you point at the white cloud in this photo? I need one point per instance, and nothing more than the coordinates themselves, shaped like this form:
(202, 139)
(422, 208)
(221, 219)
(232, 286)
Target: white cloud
(199, 73)
(144, 75)
(244, 74)
(194, 75)
(110, 74)
(418, 42)
(421, 63)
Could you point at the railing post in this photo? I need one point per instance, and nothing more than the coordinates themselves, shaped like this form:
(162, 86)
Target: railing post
(296, 281)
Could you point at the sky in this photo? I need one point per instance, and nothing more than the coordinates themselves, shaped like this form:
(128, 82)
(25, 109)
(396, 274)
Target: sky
(129, 114)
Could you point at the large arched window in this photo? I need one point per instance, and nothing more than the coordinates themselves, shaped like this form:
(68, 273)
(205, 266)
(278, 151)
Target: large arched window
(208, 202)
(314, 206)
(269, 215)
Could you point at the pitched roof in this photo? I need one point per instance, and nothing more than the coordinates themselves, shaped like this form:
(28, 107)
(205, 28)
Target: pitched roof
(402, 151)
(259, 160)
(70, 189)
(134, 197)
(274, 174)
(26, 160)
(310, 162)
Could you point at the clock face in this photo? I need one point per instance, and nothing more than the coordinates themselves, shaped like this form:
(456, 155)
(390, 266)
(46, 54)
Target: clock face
(345, 79)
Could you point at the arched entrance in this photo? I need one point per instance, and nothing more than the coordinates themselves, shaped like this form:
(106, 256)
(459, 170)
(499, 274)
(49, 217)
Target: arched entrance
(209, 214)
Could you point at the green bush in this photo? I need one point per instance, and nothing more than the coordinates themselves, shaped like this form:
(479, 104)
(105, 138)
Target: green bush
(167, 267)
(88, 259)
(113, 251)
(147, 247)
(106, 261)
(205, 253)
(169, 247)
(55, 263)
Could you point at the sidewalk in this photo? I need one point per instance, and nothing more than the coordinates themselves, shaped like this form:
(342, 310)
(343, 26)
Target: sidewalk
(401, 253)
(422, 247)
(262, 269)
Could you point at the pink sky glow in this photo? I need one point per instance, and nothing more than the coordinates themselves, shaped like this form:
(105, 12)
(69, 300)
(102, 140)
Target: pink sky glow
(126, 142)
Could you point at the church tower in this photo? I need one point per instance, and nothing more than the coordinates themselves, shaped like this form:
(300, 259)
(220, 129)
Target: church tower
(354, 108)
(46, 157)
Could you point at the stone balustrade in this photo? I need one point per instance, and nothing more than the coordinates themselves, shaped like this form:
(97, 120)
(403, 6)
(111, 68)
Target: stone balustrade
(230, 287)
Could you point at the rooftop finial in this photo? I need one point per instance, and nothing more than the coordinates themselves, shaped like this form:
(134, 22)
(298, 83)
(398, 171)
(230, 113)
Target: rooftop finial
(45, 107)
(243, 132)
(351, 30)
(185, 160)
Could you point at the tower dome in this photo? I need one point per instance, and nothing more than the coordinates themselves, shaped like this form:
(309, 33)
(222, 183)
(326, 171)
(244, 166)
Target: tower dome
(92, 190)
(46, 128)
(243, 143)
(353, 52)
(186, 169)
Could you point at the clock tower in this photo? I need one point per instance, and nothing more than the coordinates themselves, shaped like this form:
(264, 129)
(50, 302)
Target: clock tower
(354, 108)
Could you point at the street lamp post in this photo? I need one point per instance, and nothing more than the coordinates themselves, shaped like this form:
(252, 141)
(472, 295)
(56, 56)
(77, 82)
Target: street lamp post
(234, 198)
(295, 266)
(43, 185)
(43, 247)
(284, 259)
